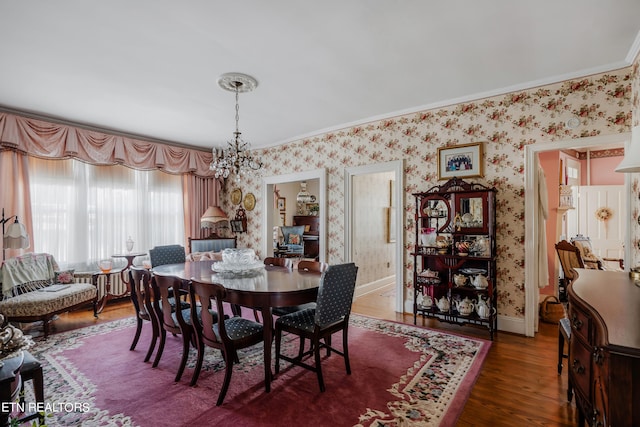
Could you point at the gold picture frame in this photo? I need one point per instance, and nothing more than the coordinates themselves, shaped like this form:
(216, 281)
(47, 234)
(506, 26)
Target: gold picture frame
(236, 196)
(282, 204)
(462, 161)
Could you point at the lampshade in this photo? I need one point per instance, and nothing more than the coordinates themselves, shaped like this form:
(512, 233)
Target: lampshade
(212, 215)
(16, 236)
(631, 161)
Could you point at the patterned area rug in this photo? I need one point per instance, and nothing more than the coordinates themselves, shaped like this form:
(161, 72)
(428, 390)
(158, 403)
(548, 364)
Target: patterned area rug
(402, 375)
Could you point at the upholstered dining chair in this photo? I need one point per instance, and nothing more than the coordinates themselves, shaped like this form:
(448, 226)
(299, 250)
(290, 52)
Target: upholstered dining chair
(140, 293)
(174, 317)
(293, 239)
(331, 315)
(221, 332)
(570, 258)
(279, 262)
(167, 254)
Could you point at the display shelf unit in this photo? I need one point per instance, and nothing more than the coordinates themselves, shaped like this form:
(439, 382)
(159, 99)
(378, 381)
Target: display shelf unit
(455, 254)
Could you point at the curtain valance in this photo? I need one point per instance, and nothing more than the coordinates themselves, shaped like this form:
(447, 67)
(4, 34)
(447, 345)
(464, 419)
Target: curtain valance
(51, 140)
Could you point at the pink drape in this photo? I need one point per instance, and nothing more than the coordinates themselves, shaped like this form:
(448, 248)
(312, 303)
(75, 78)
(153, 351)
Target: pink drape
(14, 194)
(50, 140)
(199, 194)
(34, 137)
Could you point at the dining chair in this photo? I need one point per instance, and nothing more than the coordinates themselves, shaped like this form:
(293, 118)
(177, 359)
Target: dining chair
(227, 334)
(140, 294)
(570, 258)
(564, 335)
(331, 315)
(279, 262)
(174, 317)
(304, 265)
(167, 254)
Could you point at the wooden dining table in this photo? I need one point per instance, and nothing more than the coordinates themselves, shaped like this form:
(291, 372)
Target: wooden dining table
(259, 289)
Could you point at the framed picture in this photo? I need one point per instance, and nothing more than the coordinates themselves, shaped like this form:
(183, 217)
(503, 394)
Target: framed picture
(282, 204)
(283, 216)
(391, 225)
(462, 161)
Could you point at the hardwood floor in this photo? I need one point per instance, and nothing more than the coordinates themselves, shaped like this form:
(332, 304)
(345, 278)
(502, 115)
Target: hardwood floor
(518, 386)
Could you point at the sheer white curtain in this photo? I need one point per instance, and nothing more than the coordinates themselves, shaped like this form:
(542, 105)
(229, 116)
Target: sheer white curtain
(83, 213)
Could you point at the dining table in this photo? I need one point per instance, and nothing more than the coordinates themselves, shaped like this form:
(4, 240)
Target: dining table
(261, 288)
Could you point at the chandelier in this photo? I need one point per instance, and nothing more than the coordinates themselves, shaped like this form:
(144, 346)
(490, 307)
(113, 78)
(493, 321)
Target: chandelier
(236, 157)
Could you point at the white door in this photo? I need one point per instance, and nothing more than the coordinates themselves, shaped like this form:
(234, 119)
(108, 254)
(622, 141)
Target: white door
(607, 237)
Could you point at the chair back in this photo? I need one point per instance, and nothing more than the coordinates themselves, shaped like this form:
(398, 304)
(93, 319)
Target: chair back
(318, 266)
(140, 291)
(207, 293)
(279, 262)
(335, 294)
(569, 258)
(166, 289)
(167, 254)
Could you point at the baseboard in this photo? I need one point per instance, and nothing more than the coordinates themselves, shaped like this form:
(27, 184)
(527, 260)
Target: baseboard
(367, 288)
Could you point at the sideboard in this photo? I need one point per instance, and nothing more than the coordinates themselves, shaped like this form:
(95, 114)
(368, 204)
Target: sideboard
(604, 350)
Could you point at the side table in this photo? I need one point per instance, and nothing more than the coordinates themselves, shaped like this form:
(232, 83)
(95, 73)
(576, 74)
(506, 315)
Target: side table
(123, 276)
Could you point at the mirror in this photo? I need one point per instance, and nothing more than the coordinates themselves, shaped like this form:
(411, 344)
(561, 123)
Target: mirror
(435, 210)
(471, 212)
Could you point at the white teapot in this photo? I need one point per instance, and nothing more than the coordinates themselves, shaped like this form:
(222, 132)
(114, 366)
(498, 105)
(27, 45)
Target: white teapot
(426, 302)
(483, 309)
(465, 307)
(443, 304)
(459, 279)
(480, 282)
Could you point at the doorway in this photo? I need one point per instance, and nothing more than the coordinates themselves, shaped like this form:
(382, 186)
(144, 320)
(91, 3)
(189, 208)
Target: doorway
(388, 205)
(269, 217)
(531, 221)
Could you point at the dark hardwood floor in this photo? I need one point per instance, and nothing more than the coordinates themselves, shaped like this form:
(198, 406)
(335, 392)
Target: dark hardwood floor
(518, 386)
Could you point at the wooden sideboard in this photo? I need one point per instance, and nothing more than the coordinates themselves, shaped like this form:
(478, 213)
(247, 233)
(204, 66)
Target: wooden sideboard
(311, 234)
(604, 350)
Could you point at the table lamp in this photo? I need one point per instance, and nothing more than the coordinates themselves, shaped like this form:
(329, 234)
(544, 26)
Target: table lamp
(211, 217)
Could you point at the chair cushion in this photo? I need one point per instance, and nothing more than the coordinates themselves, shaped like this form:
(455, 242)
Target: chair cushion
(294, 239)
(282, 311)
(238, 328)
(65, 277)
(40, 303)
(301, 319)
(565, 324)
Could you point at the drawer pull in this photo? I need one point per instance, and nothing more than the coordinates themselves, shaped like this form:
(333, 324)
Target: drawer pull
(577, 323)
(577, 367)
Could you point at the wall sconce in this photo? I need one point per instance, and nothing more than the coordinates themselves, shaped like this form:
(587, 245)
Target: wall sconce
(15, 237)
(211, 217)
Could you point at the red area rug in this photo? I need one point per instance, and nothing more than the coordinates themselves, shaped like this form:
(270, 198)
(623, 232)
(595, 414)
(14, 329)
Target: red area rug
(402, 375)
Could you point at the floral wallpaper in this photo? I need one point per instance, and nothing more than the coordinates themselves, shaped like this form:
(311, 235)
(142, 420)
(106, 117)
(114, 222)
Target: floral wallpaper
(604, 103)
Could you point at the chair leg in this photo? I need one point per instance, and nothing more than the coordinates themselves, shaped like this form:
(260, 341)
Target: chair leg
(318, 367)
(186, 343)
(345, 350)
(198, 368)
(154, 338)
(278, 337)
(228, 371)
(301, 348)
(163, 338)
(137, 335)
(560, 351)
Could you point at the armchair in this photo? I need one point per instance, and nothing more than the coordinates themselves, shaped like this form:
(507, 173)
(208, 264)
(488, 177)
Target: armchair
(293, 239)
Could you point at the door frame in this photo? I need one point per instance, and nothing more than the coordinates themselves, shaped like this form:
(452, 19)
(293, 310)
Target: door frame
(397, 167)
(267, 208)
(532, 293)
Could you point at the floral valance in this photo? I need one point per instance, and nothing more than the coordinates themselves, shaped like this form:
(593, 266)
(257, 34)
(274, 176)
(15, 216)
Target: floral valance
(51, 140)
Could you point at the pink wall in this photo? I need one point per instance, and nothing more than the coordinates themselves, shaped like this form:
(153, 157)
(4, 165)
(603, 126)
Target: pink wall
(603, 171)
(550, 163)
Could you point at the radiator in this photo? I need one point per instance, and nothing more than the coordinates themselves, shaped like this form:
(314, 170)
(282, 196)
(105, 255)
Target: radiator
(118, 287)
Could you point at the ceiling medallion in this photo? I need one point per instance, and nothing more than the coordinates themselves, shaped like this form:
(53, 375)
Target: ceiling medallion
(236, 157)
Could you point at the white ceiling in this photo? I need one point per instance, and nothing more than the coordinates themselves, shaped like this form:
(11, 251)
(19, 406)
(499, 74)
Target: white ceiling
(149, 67)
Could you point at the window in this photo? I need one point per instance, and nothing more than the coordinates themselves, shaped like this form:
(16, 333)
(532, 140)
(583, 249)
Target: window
(83, 213)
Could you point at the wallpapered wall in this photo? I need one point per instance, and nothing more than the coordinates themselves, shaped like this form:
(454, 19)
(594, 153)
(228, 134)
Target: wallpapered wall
(506, 124)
